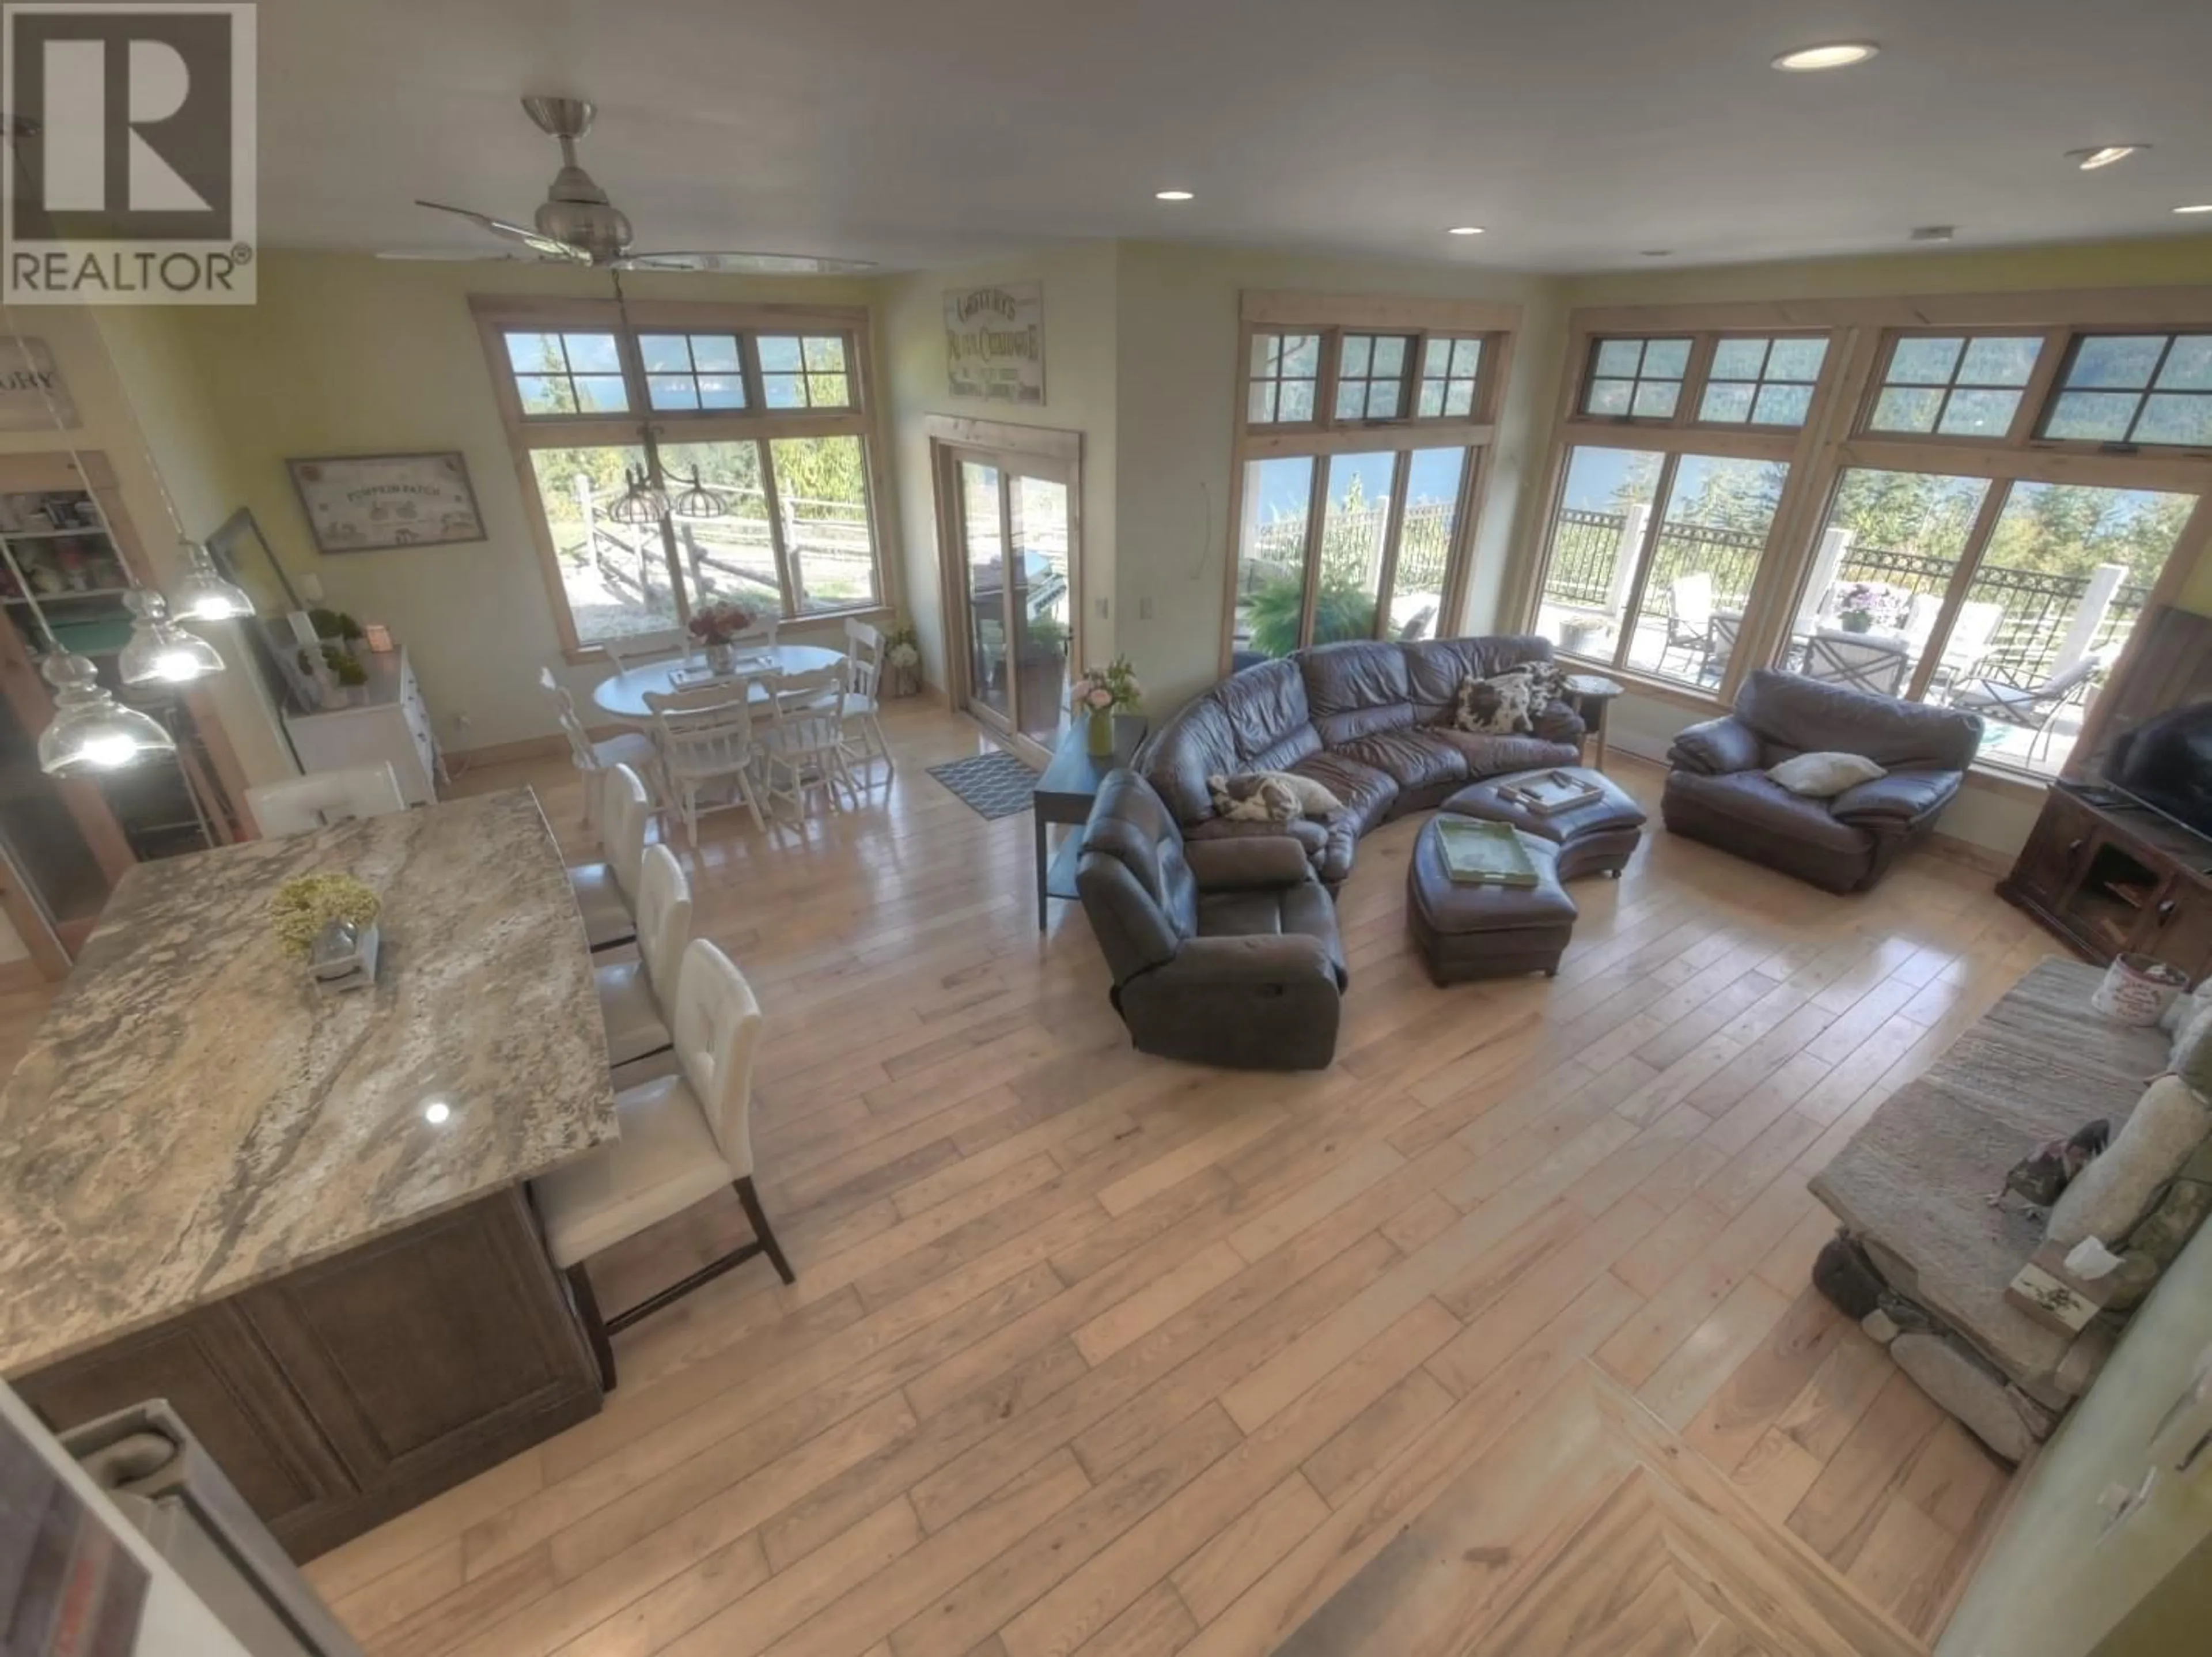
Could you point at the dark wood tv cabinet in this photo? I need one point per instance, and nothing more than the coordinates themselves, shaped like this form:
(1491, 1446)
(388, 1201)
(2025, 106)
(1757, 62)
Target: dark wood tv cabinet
(2109, 877)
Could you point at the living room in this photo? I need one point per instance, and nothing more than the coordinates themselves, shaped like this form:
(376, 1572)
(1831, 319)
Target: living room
(1181, 1201)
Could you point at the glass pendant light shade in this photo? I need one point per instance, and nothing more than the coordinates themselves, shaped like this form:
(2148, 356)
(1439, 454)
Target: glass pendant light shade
(642, 502)
(204, 595)
(160, 652)
(697, 501)
(92, 732)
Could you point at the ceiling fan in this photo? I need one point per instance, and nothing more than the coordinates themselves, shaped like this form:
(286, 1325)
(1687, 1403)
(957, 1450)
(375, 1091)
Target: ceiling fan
(576, 224)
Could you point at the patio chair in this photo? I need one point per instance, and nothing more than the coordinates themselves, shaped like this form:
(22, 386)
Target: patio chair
(1727, 624)
(1690, 620)
(1873, 665)
(2004, 699)
(1972, 634)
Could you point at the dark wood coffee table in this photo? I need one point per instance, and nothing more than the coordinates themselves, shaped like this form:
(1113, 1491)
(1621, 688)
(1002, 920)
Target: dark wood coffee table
(1064, 796)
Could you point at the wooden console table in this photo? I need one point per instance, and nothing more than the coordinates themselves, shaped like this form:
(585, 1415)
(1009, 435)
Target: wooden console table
(1064, 795)
(2109, 876)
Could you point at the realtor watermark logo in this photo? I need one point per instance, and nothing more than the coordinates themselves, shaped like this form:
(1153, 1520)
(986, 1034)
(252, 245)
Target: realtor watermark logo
(130, 176)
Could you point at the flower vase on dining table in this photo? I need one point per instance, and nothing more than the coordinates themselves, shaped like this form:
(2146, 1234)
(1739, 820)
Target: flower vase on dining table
(1101, 733)
(722, 659)
(1857, 621)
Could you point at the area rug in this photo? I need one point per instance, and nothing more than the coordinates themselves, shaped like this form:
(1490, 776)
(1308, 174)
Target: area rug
(995, 784)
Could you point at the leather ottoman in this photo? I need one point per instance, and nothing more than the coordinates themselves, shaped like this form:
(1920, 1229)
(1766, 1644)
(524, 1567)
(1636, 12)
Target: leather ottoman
(1596, 838)
(1469, 931)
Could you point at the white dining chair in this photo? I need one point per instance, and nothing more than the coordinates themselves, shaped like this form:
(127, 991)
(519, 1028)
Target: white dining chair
(804, 748)
(859, 705)
(707, 745)
(592, 758)
(606, 891)
(304, 804)
(627, 656)
(683, 1138)
(637, 998)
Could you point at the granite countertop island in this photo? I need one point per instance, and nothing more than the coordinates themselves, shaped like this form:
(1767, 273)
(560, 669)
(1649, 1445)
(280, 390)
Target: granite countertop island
(195, 1117)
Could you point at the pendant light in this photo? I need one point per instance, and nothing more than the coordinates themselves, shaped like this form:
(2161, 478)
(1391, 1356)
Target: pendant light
(643, 501)
(91, 731)
(697, 501)
(204, 595)
(160, 652)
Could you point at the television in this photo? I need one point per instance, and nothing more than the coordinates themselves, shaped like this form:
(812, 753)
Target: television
(2166, 763)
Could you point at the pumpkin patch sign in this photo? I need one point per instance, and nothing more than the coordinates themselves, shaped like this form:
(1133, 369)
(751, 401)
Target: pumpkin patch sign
(366, 503)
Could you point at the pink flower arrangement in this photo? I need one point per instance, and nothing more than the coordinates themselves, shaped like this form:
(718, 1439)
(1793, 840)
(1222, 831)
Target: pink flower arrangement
(719, 623)
(1113, 687)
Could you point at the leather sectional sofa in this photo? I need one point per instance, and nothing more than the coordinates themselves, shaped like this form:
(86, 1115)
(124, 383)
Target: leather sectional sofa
(1370, 721)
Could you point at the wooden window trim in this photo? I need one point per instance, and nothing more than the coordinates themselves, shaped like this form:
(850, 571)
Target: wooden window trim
(646, 427)
(2090, 446)
(1331, 316)
(1715, 338)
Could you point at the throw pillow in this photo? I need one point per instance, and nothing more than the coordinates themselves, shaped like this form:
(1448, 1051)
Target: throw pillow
(1823, 775)
(1313, 797)
(1252, 799)
(2113, 1192)
(1501, 705)
(2190, 1057)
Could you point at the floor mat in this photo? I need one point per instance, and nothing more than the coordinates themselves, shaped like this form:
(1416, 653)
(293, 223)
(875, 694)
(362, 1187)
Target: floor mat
(995, 784)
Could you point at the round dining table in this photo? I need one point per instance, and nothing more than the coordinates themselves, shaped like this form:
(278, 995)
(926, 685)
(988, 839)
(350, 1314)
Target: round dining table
(622, 696)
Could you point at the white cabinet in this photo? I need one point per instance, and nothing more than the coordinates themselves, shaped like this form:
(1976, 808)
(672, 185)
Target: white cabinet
(390, 723)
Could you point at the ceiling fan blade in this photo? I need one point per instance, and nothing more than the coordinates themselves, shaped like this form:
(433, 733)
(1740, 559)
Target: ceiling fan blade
(545, 245)
(757, 264)
(464, 255)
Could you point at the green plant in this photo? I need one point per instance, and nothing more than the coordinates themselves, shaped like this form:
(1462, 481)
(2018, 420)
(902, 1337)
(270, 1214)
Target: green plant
(350, 672)
(334, 623)
(306, 903)
(1341, 610)
(1048, 636)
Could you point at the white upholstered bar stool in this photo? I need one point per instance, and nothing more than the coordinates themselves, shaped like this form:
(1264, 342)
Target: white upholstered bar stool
(304, 804)
(606, 891)
(592, 758)
(637, 998)
(683, 1138)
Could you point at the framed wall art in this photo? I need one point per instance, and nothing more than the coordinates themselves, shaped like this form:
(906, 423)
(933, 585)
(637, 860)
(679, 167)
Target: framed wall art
(369, 502)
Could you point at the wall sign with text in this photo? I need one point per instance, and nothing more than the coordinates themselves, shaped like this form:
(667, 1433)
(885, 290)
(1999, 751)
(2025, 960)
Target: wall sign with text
(364, 502)
(994, 343)
(33, 395)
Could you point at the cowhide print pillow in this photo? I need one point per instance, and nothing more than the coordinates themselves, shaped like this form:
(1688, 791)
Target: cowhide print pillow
(1499, 706)
(1252, 799)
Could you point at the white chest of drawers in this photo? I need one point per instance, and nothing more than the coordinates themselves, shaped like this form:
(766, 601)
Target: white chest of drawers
(391, 723)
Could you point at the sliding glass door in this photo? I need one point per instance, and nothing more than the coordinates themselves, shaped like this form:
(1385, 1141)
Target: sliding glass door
(1011, 522)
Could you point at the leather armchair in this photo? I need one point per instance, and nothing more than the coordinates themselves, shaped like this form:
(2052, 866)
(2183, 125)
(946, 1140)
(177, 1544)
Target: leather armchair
(1223, 952)
(1717, 789)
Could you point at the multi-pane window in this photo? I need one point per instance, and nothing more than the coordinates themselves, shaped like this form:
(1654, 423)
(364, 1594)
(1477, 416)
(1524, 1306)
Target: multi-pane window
(1954, 384)
(1370, 376)
(1450, 369)
(804, 371)
(2135, 388)
(568, 373)
(1636, 379)
(756, 439)
(1286, 369)
(692, 371)
(1762, 382)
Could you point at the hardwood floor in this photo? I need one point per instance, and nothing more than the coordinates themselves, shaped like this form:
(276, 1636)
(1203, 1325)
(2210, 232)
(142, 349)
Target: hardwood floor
(1094, 1353)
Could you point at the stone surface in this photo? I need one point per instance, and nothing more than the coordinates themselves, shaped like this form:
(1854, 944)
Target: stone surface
(1914, 1184)
(194, 1117)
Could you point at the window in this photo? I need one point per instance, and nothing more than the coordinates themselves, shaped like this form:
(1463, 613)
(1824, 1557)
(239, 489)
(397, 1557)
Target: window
(2135, 388)
(1358, 459)
(1285, 369)
(1636, 379)
(758, 437)
(1761, 381)
(1370, 376)
(1955, 386)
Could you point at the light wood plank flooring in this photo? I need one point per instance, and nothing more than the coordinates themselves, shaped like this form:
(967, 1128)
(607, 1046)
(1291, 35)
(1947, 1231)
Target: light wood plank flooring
(1093, 1353)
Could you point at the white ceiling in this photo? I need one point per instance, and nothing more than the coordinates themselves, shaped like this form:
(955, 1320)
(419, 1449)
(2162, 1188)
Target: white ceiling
(923, 131)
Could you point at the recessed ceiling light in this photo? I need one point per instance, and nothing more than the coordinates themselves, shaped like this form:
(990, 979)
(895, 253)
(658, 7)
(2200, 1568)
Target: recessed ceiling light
(1173, 195)
(1464, 230)
(1656, 253)
(2090, 159)
(2200, 207)
(1841, 55)
(1933, 233)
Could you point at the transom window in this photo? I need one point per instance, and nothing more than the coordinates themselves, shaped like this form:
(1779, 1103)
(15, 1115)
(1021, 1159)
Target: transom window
(1636, 379)
(1762, 382)
(1954, 384)
(568, 373)
(1450, 369)
(1370, 376)
(2135, 388)
(1285, 369)
(756, 438)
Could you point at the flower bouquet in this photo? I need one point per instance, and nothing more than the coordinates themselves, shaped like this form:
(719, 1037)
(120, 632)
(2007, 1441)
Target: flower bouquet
(1101, 693)
(1862, 606)
(719, 626)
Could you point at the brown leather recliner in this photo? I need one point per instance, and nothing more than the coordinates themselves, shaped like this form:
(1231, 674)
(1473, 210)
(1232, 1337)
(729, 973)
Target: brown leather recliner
(1371, 721)
(1224, 954)
(1719, 789)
